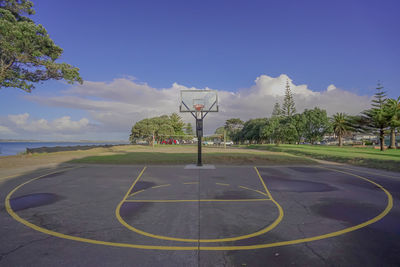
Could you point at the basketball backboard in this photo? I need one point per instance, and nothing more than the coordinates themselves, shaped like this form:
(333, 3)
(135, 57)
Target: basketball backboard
(198, 101)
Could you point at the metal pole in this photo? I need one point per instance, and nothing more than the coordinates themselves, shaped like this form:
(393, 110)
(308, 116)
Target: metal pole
(199, 151)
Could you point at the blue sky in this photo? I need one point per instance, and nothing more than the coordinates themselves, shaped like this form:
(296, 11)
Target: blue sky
(223, 45)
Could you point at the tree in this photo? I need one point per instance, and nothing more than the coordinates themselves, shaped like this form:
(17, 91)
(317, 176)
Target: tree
(288, 106)
(233, 127)
(392, 110)
(189, 128)
(177, 123)
(160, 127)
(340, 125)
(277, 111)
(299, 121)
(143, 129)
(27, 54)
(220, 130)
(273, 131)
(252, 129)
(288, 129)
(317, 124)
(376, 117)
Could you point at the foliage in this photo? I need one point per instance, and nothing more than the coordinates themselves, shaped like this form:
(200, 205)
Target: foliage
(252, 130)
(233, 127)
(288, 106)
(272, 131)
(392, 111)
(277, 111)
(159, 126)
(177, 123)
(299, 121)
(317, 124)
(376, 118)
(340, 125)
(220, 130)
(188, 128)
(27, 53)
(289, 131)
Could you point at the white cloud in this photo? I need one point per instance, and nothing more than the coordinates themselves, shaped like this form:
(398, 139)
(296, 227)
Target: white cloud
(21, 125)
(115, 106)
(331, 88)
(19, 119)
(5, 131)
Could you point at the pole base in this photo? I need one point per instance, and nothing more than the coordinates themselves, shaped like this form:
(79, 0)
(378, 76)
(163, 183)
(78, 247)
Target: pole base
(203, 167)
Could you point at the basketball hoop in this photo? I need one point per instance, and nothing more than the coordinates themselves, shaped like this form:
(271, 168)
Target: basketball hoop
(199, 103)
(198, 107)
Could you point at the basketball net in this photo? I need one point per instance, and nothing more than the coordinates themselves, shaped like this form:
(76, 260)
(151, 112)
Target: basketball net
(198, 107)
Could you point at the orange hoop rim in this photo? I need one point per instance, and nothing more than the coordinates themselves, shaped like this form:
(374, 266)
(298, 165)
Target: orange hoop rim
(198, 107)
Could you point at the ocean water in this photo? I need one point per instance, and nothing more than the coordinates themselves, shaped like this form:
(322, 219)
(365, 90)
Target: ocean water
(14, 148)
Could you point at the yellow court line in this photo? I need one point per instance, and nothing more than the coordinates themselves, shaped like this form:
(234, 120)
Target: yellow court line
(389, 206)
(222, 184)
(191, 183)
(258, 191)
(228, 239)
(265, 187)
(137, 192)
(163, 185)
(195, 200)
(370, 173)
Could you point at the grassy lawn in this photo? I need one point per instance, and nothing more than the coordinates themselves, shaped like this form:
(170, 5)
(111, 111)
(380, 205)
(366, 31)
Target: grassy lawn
(362, 156)
(188, 155)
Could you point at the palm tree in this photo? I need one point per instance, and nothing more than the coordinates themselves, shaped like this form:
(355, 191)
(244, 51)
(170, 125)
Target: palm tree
(392, 109)
(340, 125)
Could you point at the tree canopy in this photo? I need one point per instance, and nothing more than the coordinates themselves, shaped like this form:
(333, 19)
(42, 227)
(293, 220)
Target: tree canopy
(233, 127)
(27, 53)
(162, 127)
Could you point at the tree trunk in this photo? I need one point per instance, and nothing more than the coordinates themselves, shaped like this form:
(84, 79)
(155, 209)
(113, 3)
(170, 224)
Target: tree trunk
(382, 139)
(392, 138)
(340, 141)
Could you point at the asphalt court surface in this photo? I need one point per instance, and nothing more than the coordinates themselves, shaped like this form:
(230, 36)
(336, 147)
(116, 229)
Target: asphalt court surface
(231, 216)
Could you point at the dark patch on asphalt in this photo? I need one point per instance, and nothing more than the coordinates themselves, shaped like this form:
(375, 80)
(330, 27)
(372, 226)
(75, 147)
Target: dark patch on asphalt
(130, 209)
(235, 194)
(276, 256)
(219, 178)
(33, 200)
(271, 171)
(277, 183)
(141, 185)
(346, 210)
(307, 170)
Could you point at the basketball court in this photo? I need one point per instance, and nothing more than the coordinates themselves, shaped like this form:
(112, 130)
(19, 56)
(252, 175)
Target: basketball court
(201, 215)
(196, 217)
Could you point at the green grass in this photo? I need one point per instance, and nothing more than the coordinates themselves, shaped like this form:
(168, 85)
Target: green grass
(362, 156)
(229, 158)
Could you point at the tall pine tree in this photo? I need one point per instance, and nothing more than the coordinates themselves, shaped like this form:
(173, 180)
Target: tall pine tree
(276, 112)
(375, 118)
(288, 107)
